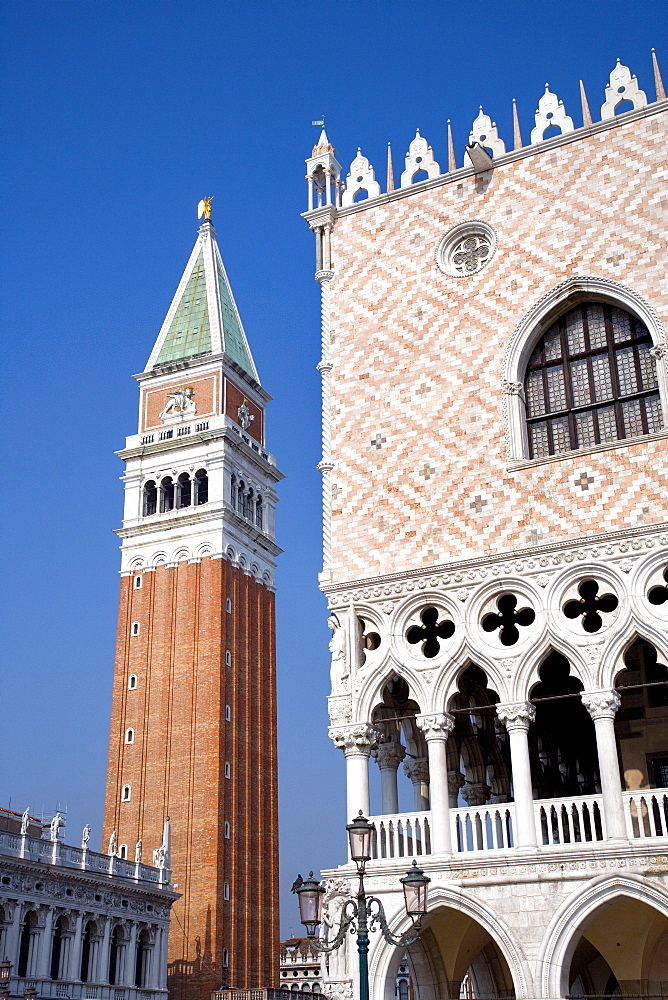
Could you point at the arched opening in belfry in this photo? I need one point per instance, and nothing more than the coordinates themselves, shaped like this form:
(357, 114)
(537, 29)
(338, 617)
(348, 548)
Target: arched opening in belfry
(562, 740)
(478, 752)
(201, 487)
(455, 956)
(621, 951)
(402, 747)
(150, 500)
(166, 494)
(183, 491)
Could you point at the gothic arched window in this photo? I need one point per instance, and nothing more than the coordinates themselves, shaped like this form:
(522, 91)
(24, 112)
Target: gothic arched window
(591, 379)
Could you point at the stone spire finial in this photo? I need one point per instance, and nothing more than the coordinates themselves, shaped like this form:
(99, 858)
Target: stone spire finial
(550, 113)
(452, 163)
(586, 113)
(658, 82)
(323, 145)
(390, 169)
(517, 135)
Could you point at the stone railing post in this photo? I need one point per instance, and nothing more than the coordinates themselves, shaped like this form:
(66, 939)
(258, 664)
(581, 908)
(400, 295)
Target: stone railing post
(436, 729)
(602, 706)
(517, 718)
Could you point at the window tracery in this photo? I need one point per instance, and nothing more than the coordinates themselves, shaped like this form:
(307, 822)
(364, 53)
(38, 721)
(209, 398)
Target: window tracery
(591, 379)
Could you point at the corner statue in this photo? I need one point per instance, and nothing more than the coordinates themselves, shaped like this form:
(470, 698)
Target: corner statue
(204, 208)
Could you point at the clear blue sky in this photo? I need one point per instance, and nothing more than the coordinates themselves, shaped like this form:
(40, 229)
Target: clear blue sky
(119, 117)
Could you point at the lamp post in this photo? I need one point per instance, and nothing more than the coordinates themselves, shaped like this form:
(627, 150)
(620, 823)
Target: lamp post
(368, 911)
(5, 977)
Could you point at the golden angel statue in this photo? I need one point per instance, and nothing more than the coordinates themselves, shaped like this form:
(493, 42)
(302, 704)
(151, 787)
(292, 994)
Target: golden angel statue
(204, 208)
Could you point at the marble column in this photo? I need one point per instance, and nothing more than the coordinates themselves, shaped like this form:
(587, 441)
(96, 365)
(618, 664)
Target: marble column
(436, 729)
(357, 742)
(517, 718)
(74, 971)
(43, 967)
(103, 955)
(417, 770)
(388, 757)
(602, 706)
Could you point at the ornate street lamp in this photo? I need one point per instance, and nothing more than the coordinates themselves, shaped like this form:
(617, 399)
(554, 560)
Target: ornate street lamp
(5, 977)
(368, 911)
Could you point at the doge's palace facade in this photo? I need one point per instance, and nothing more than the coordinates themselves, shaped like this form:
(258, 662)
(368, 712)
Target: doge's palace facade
(495, 506)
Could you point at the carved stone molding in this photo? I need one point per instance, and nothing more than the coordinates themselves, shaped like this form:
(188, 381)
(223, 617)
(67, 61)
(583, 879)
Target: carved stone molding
(340, 710)
(435, 727)
(551, 556)
(512, 388)
(601, 704)
(517, 715)
(360, 738)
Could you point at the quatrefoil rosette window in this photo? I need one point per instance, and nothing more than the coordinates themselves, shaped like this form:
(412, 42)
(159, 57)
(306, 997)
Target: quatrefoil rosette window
(506, 619)
(466, 249)
(428, 632)
(589, 604)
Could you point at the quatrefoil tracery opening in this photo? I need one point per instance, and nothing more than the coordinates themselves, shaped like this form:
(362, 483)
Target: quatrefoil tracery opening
(430, 632)
(590, 606)
(659, 595)
(507, 619)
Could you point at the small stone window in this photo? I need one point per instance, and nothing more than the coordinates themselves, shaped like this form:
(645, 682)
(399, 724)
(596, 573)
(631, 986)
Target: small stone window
(138, 582)
(226, 890)
(228, 714)
(228, 658)
(126, 794)
(228, 605)
(228, 769)
(123, 852)
(226, 958)
(135, 629)
(466, 249)
(591, 379)
(129, 735)
(226, 830)
(132, 682)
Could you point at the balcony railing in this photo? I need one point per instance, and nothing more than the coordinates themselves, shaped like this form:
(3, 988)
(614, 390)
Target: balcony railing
(579, 819)
(61, 989)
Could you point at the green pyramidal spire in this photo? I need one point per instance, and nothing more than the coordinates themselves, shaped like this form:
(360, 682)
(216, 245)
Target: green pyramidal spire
(203, 317)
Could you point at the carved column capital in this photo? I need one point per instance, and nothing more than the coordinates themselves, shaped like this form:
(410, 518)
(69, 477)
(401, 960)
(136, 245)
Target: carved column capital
(518, 715)
(476, 794)
(389, 755)
(417, 770)
(601, 704)
(512, 388)
(359, 739)
(456, 780)
(435, 727)
(659, 352)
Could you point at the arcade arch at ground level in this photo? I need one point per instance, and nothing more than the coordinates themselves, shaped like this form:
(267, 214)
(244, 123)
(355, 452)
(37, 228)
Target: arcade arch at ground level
(464, 949)
(608, 940)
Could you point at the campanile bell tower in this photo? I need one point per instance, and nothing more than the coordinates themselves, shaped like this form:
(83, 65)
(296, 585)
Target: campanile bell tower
(193, 725)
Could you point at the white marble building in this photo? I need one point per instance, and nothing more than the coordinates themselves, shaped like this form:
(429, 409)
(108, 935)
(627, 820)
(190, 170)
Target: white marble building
(77, 924)
(496, 547)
